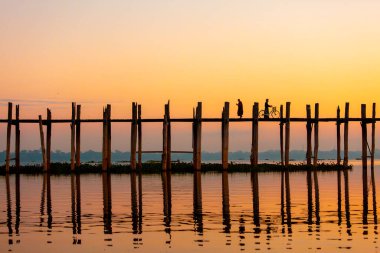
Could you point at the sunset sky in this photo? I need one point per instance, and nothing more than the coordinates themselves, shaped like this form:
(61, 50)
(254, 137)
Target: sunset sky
(98, 52)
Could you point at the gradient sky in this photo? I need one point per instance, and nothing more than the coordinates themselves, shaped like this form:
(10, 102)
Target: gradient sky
(97, 52)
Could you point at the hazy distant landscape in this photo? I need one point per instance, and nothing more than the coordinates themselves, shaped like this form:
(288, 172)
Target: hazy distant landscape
(34, 156)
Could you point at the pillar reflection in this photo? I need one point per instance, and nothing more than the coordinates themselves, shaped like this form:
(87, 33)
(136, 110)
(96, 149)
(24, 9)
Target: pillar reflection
(197, 204)
(167, 199)
(107, 203)
(76, 207)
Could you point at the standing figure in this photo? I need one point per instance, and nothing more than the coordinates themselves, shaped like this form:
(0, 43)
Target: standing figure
(266, 110)
(240, 108)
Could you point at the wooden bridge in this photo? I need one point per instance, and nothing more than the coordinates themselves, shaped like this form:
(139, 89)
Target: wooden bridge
(284, 120)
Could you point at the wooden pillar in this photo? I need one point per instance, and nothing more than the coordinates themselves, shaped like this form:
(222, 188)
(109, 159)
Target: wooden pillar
(18, 139)
(373, 147)
(109, 152)
(42, 138)
(345, 137)
(48, 138)
(104, 141)
(9, 130)
(364, 135)
(287, 133)
(139, 127)
(225, 134)
(282, 134)
(255, 135)
(72, 128)
(164, 157)
(316, 134)
(77, 136)
(308, 135)
(338, 158)
(133, 136)
(169, 137)
(197, 137)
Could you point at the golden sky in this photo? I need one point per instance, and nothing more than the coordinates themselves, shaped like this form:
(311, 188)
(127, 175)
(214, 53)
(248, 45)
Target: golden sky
(97, 52)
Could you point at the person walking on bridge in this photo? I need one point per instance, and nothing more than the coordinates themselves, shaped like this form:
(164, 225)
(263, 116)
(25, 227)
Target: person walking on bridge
(240, 108)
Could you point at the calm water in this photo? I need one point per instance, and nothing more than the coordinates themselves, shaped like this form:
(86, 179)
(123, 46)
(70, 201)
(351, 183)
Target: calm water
(212, 212)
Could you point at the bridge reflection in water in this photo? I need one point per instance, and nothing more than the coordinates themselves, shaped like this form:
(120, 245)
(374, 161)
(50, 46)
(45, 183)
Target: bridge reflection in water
(231, 220)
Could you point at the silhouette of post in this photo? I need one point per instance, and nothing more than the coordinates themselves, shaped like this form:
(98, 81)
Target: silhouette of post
(309, 183)
(226, 203)
(364, 135)
(48, 138)
(373, 147)
(139, 128)
(109, 130)
(18, 206)
(167, 199)
(282, 133)
(168, 137)
(107, 203)
(197, 136)
(72, 128)
(9, 130)
(225, 134)
(345, 145)
(165, 126)
(316, 194)
(9, 208)
(288, 204)
(197, 203)
(287, 133)
(338, 158)
(106, 148)
(255, 135)
(42, 139)
(255, 196)
(316, 134)
(17, 139)
(308, 134)
(133, 136)
(347, 199)
(77, 137)
(339, 183)
(104, 142)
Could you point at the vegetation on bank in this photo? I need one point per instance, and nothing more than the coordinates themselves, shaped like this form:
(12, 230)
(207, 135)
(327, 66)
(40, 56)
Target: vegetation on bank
(177, 167)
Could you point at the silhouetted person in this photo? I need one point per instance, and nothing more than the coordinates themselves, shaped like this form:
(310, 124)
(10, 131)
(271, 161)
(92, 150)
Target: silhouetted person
(240, 108)
(266, 110)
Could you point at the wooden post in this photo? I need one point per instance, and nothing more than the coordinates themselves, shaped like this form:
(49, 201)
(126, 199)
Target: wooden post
(133, 136)
(165, 141)
(18, 139)
(373, 148)
(169, 138)
(9, 130)
(77, 135)
(139, 126)
(282, 134)
(72, 128)
(109, 156)
(48, 138)
(316, 134)
(308, 135)
(364, 135)
(42, 138)
(338, 158)
(345, 145)
(255, 135)
(104, 141)
(197, 137)
(225, 133)
(287, 133)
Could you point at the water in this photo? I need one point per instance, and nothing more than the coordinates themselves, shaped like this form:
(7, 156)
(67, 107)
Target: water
(212, 212)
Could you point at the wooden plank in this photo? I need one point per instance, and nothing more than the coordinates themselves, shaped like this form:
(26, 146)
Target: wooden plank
(72, 129)
(42, 139)
(18, 137)
(308, 135)
(345, 137)
(133, 136)
(78, 137)
(139, 127)
(48, 138)
(373, 145)
(282, 134)
(287, 133)
(9, 131)
(338, 141)
(316, 134)
(225, 134)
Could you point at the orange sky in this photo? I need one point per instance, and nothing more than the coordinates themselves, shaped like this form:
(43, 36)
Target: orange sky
(122, 51)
